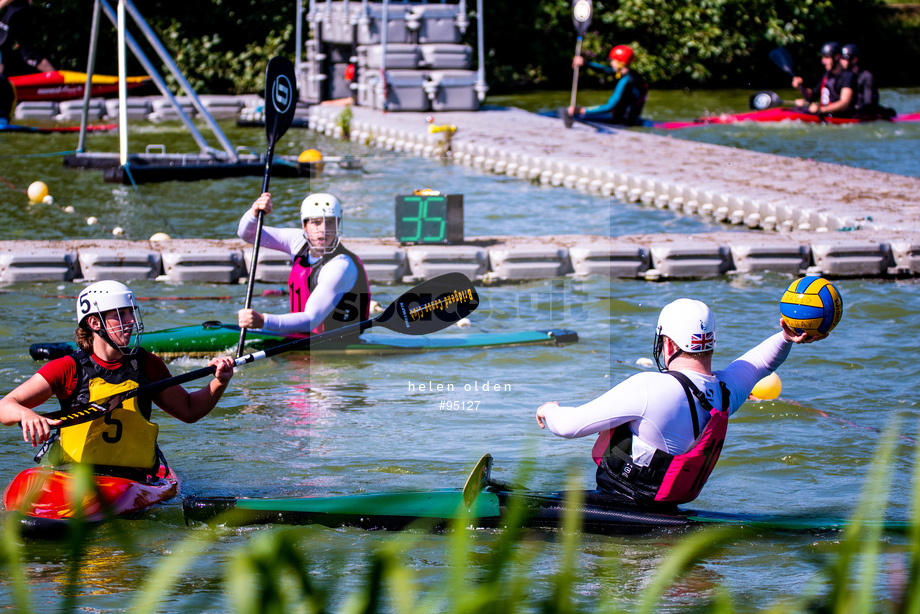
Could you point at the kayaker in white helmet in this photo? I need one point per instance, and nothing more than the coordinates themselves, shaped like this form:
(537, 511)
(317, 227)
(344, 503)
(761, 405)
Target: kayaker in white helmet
(328, 285)
(660, 434)
(109, 360)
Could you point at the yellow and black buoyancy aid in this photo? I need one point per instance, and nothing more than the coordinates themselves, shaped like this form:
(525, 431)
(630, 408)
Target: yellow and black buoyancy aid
(125, 437)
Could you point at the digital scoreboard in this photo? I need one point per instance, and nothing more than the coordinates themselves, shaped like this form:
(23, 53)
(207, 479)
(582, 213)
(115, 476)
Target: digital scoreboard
(429, 218)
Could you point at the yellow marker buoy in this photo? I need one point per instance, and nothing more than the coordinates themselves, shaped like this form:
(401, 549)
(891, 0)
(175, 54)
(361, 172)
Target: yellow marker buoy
(37, 192)
(160, 236)
(768, 388)
(314, 156)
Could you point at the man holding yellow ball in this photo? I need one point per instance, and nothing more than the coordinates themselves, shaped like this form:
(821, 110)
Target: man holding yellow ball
(660, 434)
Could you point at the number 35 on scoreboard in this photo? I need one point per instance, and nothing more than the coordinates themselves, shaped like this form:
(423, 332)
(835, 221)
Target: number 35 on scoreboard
(429, 217)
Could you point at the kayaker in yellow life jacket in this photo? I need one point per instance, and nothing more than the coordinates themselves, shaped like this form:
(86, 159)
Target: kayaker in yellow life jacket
(109, 361)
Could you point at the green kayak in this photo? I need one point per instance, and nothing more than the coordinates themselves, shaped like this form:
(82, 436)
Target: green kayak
(213, 338)
(600, 512)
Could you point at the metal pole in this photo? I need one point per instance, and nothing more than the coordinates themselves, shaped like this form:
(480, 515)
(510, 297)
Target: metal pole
(481, 87)
(122, 88)
(167, 59)
(383, 53)
(298, 35)
(158, 80)
(90, 67)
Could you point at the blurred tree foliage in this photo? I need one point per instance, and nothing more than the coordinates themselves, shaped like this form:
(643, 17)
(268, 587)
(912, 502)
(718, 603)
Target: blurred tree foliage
(223, 46)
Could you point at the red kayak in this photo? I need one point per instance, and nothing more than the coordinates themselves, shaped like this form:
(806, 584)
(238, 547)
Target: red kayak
(67, 85)
(779, 115)
(43, 498)
(56, 129)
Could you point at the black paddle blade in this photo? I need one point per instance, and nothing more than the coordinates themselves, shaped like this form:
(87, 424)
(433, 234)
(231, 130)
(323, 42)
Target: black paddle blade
(78, 414)
(783, 60)
(280, 97)
(765, 100)
(431, 306)
(49, 351)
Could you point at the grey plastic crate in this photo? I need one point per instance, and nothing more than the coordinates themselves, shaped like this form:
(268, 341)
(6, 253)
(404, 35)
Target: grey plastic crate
(405, 90)
(369, 30)
(446, 56)
(338, 86)
(399, 56)
(455, 90)
(437, 23)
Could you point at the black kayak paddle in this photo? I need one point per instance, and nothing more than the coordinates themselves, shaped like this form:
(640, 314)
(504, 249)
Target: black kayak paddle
(427, 308)
(279, 106)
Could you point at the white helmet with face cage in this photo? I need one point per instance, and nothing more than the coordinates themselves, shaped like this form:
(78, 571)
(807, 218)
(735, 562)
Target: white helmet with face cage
(324, 206)
(689, 324)
(104, 296)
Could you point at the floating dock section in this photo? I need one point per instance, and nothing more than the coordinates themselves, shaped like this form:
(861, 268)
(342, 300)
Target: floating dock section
(483, 259)
(734, 186)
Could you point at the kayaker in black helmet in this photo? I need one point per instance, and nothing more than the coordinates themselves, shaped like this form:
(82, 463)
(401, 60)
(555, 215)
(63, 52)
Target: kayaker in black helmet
(835, 93)
(866, 91)
(109, 360)
(18, 54)
(625, 104)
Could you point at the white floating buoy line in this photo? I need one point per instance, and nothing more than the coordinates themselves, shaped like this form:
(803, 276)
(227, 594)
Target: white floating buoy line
(39, 193)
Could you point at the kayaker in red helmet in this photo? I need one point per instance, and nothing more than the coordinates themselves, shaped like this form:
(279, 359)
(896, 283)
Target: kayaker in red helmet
(660, 434)
(625, 104)
(109, 360)
(328, 284)
(835, 93)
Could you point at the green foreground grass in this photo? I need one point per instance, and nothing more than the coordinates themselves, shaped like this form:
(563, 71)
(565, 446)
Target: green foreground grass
(273, 572)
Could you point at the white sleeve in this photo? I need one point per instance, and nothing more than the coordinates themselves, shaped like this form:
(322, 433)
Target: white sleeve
(625, 402)
(337, 277)
(288, 240)
(743, 374)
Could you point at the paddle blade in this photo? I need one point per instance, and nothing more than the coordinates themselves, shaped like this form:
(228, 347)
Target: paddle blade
(765, 100)
(783, 60)
(478, 480)
(280, 97)
(582, 12)
(430, 306)
(78, 414)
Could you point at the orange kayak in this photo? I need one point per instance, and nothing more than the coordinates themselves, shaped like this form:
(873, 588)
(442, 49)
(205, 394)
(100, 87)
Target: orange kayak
(43, 497)
(67, 85)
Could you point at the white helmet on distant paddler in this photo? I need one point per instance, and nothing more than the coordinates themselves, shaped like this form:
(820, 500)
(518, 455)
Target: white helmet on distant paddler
(322, 206)
(105, 296)
(689, 324)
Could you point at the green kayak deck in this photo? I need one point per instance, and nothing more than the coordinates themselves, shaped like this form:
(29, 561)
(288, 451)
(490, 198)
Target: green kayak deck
(212, 338)
(600, 512)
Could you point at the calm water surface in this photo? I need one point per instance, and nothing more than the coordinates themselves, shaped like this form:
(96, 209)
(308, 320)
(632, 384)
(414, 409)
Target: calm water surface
(299, 425)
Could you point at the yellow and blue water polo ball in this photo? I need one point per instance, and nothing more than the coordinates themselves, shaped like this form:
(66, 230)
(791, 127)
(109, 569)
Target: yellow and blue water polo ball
(812, 305)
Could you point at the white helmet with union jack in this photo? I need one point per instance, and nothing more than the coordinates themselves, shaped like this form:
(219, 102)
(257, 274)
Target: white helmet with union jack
(689, 324)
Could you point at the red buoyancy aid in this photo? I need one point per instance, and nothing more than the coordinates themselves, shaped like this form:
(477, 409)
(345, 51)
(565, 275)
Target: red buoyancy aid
(667, 478)
(354, 306)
